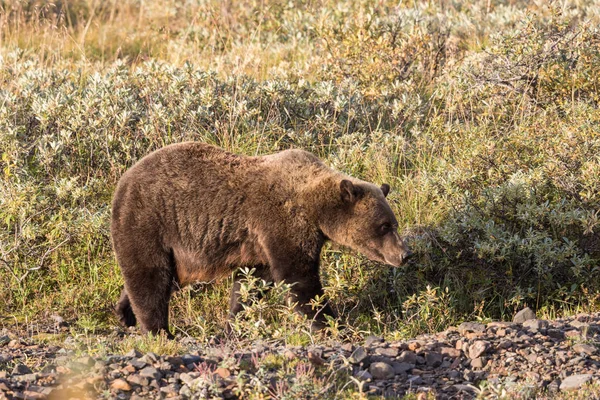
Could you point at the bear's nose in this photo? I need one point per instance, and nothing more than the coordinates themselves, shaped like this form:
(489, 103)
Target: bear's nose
(407, 256)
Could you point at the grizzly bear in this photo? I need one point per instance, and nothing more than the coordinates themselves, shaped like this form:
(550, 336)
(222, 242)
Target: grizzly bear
(193, 212)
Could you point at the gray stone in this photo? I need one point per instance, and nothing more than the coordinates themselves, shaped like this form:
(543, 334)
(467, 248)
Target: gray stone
(532, 358)
(454, 375)
(555, 334)
(188, 377)
(133, 354)
(4, 340)
(450, 352)
(149, 358)
(371, 340)
(170, 389)
(524, 315)
(408, 356)
(534, 325)
(150, 372)
(400, 367)
(433, 359)
(21, 369)
(381, 370)
(387, 351)
(478, 348)
(574, 382)
(466, 327)
(137, 364)
(585, 348)
(137, 380)
(185, 391)
(363, 375)
(358, 355)
(190, 359)
(415, 380)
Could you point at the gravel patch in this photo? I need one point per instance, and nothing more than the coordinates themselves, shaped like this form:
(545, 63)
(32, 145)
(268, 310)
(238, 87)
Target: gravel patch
(559, 355)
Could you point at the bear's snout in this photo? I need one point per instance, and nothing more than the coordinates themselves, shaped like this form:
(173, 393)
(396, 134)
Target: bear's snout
(407, 256)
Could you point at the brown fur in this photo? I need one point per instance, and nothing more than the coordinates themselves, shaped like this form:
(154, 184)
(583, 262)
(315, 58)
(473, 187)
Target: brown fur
(193, 212)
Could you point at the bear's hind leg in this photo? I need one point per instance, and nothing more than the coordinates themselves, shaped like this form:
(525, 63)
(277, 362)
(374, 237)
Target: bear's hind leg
(124, 310)
(148, 283)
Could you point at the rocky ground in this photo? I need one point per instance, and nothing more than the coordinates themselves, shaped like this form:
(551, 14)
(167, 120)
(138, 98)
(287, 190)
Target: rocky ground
(525, 356)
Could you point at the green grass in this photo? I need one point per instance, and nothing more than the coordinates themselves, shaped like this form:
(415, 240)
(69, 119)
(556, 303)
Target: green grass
(483, 117)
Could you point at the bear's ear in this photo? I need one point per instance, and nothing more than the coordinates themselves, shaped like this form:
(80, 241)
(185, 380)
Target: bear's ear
(350, 192)
(385, 188)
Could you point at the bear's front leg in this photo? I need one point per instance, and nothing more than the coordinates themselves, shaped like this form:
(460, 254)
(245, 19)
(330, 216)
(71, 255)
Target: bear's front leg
(305, 286)
(235, 304)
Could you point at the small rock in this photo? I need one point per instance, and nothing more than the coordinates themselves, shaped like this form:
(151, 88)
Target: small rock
(585, 348)
(358, 355)
(363, 375)
(188, 377)
(150, 372)
(466, 327)
(190, 359)
(387, 351)
(400, 367)
(408, 356)
(223, 372)
(505, 344)
(120, 384)
(454, 375)
(347, 347)
(149, 358)
(450, 352)
(534, 325)
(185, 392)
(414, 345)
(381, 370)
(21, 369)
(371, 340)
(4, 340)
(532, 358)
(133, 354)
(524, 315)
(415, 380)
(478, 348)
(574, 382)
(137, 364)
(555, 334)
(478, 362)
(433, 359)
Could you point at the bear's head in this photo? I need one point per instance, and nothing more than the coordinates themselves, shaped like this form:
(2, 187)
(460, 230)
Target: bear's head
(363, 221)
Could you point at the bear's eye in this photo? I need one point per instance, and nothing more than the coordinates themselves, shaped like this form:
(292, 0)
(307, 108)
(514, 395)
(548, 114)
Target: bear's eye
(385, 228)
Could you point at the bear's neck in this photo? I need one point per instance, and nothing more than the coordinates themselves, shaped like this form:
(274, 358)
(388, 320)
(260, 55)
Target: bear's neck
(321, 202)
